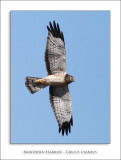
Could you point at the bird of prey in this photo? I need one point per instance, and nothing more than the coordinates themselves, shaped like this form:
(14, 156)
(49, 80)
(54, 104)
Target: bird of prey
(57, 79)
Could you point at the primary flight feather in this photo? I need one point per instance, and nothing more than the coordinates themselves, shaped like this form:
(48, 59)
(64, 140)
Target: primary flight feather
(57, 79)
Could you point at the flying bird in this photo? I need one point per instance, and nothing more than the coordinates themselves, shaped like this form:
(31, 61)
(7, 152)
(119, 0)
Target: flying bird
(57, 79)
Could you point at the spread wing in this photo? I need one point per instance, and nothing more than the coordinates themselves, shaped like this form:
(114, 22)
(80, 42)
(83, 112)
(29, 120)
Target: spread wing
(55, 55)
(60, 100)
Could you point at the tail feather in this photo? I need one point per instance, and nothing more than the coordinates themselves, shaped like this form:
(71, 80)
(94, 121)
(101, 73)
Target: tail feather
(31, 86)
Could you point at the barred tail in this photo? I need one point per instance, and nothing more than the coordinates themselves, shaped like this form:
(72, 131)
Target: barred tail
(31, 86)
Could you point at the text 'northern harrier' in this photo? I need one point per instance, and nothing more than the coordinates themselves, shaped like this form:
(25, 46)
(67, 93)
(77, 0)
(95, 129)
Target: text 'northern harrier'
(57, 79)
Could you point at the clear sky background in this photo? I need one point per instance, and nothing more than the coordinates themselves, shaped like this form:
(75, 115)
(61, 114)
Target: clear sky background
(87, 40)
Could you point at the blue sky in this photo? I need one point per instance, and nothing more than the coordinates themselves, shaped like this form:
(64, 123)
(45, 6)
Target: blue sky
(87, 40)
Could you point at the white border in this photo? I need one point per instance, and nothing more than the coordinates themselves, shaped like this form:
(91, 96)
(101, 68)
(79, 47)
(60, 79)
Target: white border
(111, 151)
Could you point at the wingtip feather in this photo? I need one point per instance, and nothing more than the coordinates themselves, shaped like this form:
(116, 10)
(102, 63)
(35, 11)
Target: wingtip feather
(55, 30)
(66, 127)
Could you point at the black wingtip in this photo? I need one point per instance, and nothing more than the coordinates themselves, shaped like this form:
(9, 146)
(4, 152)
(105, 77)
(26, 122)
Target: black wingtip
(55, 30)
(59, 129)
(62, 132)
(48, 29)
(66, 127)
(66, 131)
(71, 121)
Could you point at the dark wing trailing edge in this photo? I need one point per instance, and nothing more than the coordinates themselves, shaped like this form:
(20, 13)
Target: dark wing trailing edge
(60, 100)
(55, 30)
(55, 54)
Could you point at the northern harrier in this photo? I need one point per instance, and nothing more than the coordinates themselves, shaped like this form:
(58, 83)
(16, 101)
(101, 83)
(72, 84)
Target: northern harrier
(57, 79)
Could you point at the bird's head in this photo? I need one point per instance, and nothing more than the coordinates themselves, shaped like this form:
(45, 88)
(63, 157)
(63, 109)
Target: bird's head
(69, 78)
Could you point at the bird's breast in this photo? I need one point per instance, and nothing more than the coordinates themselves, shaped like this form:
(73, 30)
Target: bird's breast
(55, 80)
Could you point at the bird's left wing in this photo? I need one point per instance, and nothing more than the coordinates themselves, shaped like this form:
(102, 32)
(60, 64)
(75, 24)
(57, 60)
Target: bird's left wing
(55, 55)
(61, 103)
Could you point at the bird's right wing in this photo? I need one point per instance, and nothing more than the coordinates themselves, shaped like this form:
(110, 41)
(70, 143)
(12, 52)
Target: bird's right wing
(55, 55)
(61, 103)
